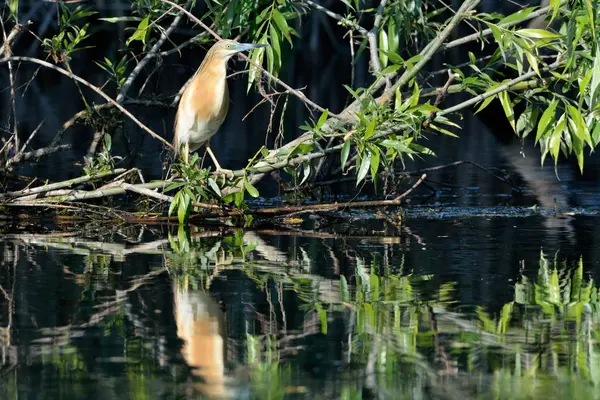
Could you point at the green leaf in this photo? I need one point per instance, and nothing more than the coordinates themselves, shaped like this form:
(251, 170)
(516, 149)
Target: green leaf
(537, 34)
(554, 6)
(345, 153)
(533, 62)
(183, 210)
(322, 119)
(374, 163)
(213, 185)
(114, 20)
(370, 129)
(274, 41)
(485, 103)
(305, 172)
(282, 24)
(383, 47)
(582, 131)
(13, 7)
(107, 142)
(250, 188)
(508, 108)
(595, 79)
(174, 185)
(556, 137)
(584, 83)
(174, 203)
(518, 16)
(365, 163)
(527, 120)
(140, 33)
(546, 120)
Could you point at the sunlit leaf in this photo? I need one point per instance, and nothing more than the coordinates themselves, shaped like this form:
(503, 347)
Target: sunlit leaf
(546, 120)
(537, 34)
(508, 108)
(365, 163)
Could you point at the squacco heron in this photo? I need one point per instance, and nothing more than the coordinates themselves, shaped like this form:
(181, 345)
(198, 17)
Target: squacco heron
(205, 102)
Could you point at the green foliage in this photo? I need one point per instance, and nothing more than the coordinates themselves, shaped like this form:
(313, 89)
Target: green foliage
(116, 70)
(271, 27)
(70, 35)
(196, 185)
(103, 161)
(566, 123)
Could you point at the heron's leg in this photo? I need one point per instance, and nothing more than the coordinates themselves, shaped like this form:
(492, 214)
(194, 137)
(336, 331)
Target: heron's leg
(217, 165)
(185, 153)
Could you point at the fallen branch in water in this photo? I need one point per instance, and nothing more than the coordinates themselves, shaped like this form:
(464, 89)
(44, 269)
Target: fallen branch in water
(295, 210)
(60, 185)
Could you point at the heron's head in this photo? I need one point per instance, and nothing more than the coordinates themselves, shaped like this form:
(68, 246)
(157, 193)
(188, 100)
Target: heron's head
(225, 49)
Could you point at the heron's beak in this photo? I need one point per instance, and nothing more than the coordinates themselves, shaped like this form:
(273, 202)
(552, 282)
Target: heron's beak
(248, 46)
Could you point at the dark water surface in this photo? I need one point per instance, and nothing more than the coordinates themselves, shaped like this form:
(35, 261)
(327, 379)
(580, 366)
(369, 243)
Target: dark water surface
(471, 302)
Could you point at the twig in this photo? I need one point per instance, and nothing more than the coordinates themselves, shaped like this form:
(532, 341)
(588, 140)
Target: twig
(338, 17)
(94, 88)
(183, 45)
(373, 47)
(94, 145)
(439, 99)
(44, 151)
(150, 55)
(18, 156)
(147, 192)
(7, 52)
(96, 194)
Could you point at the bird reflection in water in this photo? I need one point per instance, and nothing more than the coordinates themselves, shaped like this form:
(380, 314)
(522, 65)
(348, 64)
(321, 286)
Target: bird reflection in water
(201, 325)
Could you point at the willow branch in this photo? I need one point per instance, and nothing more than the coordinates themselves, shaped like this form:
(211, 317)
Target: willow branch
(373, 46)
(486, 32)
(430, 50)
(499, 89)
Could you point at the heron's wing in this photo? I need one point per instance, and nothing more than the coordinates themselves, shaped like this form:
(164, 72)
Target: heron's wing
(184, 121)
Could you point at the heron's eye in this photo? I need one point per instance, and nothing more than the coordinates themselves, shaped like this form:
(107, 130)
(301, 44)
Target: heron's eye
(228, 46)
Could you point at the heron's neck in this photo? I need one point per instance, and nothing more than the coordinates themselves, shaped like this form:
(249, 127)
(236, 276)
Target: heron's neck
(213, 67)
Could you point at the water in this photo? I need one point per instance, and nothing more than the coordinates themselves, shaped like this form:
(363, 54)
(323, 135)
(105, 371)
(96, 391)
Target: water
(479, 302)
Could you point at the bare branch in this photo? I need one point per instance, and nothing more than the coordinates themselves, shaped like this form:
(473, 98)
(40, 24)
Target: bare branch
(94, 88)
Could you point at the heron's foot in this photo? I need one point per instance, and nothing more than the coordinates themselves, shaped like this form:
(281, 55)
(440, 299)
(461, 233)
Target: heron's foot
(227, 172)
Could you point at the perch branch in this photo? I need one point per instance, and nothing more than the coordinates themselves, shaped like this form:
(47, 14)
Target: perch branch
(287, 210)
